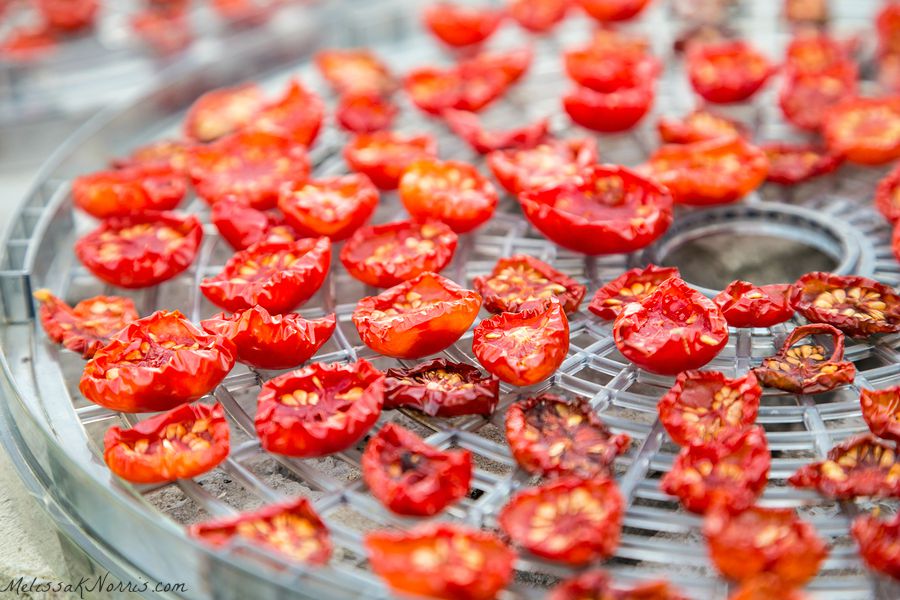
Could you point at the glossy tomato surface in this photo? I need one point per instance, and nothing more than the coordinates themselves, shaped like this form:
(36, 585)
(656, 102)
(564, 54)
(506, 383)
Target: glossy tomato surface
(449, 191)
(727, 72)
(296, 116)
(790, 164)
(698, 126)
(440, 388)
(629, 287)
(881, 411)
(242, 226)
(122, 192)
(169, 153)
(807, 368)
(878, 540)
(519, 282)
(365, 113)
(807, 98)
(87, 326)
(863, 466)
(864, 130)
(746, 305)
(548, 164)
(468, 127)
(887, 196)
(597, 584)
(612, 10)
(352, 71)
(610, 112)
(384, 156)
(604, 69)
(858, 306)
(334, 207)
(458, 25)
(220, 112)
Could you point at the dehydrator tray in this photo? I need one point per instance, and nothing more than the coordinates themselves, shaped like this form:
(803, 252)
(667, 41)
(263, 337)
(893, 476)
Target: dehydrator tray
(773, 235)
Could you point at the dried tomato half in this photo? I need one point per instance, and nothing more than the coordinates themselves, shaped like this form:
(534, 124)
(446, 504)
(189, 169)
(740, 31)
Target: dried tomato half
(442, 389)
(610, 112)
(411, 477)
(441, 560)
(522, 281)
(727, 72)
(296, 116)
(292, 529)
(549, 435)
(458, 25)
(805, 369)
(612, 10)
(87, 326)
(887, 196)
(164, 153)
(878, 541)
(121, 192)
(548, 164)
(384, 156)
(807, 98)
(790, 164)
(269, 341)
(674, 329)
(570, 520)
(596, 584)
(607, 210)
(365, 113)
(704, 406)
(858, 306)
(887, 24)
(815, 52)
(864, 130)
(220, 112)
(449, 191)
(881, 411)
(699, 126)
(354, 71)
(29, 43)
(187, 441)
(746, 305)
(861, 466)
(279, 276)
(243, 226)
(467, 126)
(631, 286)
(67, 15)
(319, 409)
(334, 207)
(156, 363)
(164, 30)
(727, 474)
(416, 318)
(767, 586)
(609, 69)
(538, 16)
(523, 348)
(141, 249)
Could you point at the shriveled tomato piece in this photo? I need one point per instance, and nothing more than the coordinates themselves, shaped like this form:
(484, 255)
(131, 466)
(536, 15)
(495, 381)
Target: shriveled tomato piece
(292, 529)
(674, 329)
(879, 543)
(334, 207)
(164, 153)
(272, 341)
(279, 276)
(523, 348)
(165, 30)
(512, 64)
(416, 318)
(449, 191)
(365, 113)
(863, 466)
(612, 10)
(458, 25)
(468, 127)
(538, 16)
(248, 165)
(704, 406)
(610, 112)
(790, 164)
(319, 409)
(141, 249)
(815, 52)
(597, 584)
(441, 560)
(766, 586)
(384, 156)
(68, 15)
(442, 389)
(220, 112)
(887, 196)
(765, 540)
(604, 69)
(519, 282)
(388, 254)
(572, 521)
(156, 363)
(746, 305)
(87, 326)
(242, 225)
(121, 192)
(858, 306)
(411, 477)
(546, 165)
(807, 98)
(698, 126)
(473, 88)
(354, 71)
(296, 116)
(864, 130)
(26, 44)
(631, 286)
(804, 369)
(881, 410)
(549, 435)
(187, 441)
(727, 474)
(727, 72)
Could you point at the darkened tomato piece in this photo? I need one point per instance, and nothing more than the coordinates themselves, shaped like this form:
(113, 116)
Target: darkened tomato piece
(746, 305)
(384, 156)
(187, 441)
(296, 116)
(727, 72)
(612, 10)
(552, 436)
(449, 191)
(674, 329)
(87, 326)
(523, 348)
(164, 153)
(156, 363)
(272, 341)
(572, 521)
(292, 529)
(411, 477)
(631, 286)
(220, 112)
(807, 368)
(597, 584)
(243, 226)
(416, 318)
(67, 15)
(610, 112)
(887, 196)
(765, 540)
(607, 210)
(365, 113)
(815, 52)
(25, 44)
(121, 192)
(863, 466)
(319, 409)
(858, 306)
(388, 254)
(767, 586)
(279, 276)
(881, 410)
(458, 25)
(468, 127)
(141, 249)
(442, 389)
(864, 130)
(879, 543)
(441, 560)
(726, 474)
(354, 71)
(334, 207)
(548, 164)
(790, 164)
(538, 16)
(699, 126)
(519, 282)
(248, 165)
(807, 98)
(609, 69)
(705, 406)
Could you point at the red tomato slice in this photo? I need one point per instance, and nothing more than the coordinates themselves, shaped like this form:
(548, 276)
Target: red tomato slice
(416, 318)
(165, 30)
(411, 477)
(551, 163)
(296, 116)
(354, 71)
(121, 192)
(699, 126)
(471, 87)
(221, 112)
(243, 226)
(365, 113)
(887, 196)
(538, 16)
(27, 44)
(881, 410)
(520, 282)
(68, 15)
(610, 112)
(449, 191)
(807, 368)
(858, 306)
(185, 442)
(384, 156)
(597, 584)
(746, 305)
(319, 409)
(629, 287)
(727, 72)
(766, 587)
(459, 26)
(89, 325)
(164, 153)
(863, 466)
(807, 98)
(511, 64)
(887, 24)
(468, 127)
(613, 10)
(815, 52)
(864, 130)
(790, 164)
(334, 207)
(878, 541)
(609, 69)
(442, 389)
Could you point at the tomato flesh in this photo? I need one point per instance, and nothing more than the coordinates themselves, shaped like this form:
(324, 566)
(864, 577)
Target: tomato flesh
(449, 191)
(807, 368)
(520, 282)
(887, 196)
(121, 192)
(596, 584)
(807, 98)
(296, 116)
(459, 26)
(334, 207)
(746, 305)
(878, 541)
(864, 130)
(863, 466)
(548, 164)
(365, 113)
(442, 389)
(790, 164)
(629, 287)
(354, 71)
(468, 127)
(858, 306)
(699, 126)
(384, 156)
(538, 16)
(221, 112)
(610, 112)
(881, 410)
(727, 72)
(243, 226)
(87, 326)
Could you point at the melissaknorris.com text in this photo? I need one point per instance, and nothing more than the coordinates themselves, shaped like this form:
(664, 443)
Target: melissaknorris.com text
(88, 585)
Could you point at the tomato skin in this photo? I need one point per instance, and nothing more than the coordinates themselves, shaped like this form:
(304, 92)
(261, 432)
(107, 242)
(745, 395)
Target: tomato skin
(887, 24)
(430, 313)
(605, 70)
(68, 15)
(609, 112)
(597, 584)
(243, 226)
(790, 164)
(353, 71)
(449, 191)
(460, 26)
(881, 409)
(223, 111)
(630, 286)
(807, 98)
(467, 126)
(608, 210)
(142, 249)
(766, 587)
(384, 156)
(458, 563)
(523, 348)
(727, 72)
(699, 126)
(824, 297)
(863, 466)
(165, 30)
(746, 305)
(816, 52)
(643, 330)
(522, 281)
(511, 65)
(581, 532)
(864, 130)
(143, 370)
(87, 326)
(288, 274)
(269, 341)
(887, 196)
(546, 165)
(119, 193)
(160, 154)
(334, 207)
(538, 16)
(206, 446)
(791, 371)
(612, 10)
(877, 540)
(365, 113)
(348, 400)
(296, 116)
(440, 388)
(434, 480)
